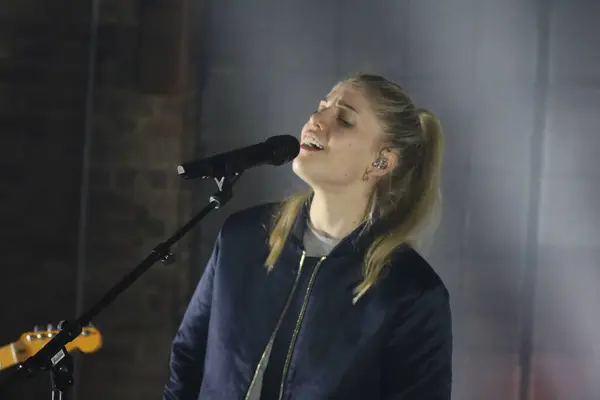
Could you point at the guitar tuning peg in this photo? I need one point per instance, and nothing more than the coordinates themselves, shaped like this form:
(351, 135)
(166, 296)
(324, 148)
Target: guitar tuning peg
(50, 327)
(37, 328)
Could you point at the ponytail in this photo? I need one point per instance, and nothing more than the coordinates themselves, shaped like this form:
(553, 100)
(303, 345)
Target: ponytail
(418, 211)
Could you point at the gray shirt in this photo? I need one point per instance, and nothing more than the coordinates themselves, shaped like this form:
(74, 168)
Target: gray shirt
(316, 244)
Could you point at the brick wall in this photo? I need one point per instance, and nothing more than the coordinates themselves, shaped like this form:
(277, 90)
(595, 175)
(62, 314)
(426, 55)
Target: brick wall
(140, 133)
(135, 194)
(42, 94)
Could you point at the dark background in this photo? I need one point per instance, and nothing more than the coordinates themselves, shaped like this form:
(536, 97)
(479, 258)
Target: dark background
(101, 100)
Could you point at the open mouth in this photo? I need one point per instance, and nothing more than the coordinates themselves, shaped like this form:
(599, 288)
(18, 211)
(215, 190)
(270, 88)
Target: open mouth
(311, 144)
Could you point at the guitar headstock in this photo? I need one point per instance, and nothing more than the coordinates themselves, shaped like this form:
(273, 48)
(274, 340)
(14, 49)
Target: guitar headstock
(88, 341)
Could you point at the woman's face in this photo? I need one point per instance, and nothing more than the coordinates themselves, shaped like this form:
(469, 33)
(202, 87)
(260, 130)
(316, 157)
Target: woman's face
(339, 141)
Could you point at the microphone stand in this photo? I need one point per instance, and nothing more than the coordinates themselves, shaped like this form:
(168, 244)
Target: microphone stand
(53, 357)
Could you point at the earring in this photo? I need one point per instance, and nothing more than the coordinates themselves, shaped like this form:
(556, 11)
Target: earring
(380, 163)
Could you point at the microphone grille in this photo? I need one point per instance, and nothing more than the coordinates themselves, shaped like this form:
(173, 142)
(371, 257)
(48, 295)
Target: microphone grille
(284, 148)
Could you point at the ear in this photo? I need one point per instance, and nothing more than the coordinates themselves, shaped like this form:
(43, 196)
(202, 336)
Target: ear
(384, 162)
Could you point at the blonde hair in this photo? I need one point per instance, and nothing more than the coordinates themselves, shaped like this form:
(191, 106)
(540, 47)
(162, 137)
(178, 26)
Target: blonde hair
(406, 199)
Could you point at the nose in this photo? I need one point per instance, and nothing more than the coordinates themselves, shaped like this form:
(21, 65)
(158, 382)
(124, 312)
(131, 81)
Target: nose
(318, 120)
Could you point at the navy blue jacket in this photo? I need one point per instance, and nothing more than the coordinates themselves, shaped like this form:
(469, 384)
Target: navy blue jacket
(394, 343)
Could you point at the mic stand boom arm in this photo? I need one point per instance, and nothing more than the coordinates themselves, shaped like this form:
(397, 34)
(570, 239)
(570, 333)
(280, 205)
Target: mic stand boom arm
(54, 356)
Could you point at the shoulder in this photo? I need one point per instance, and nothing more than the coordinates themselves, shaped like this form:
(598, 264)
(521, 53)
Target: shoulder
(249, 222)
(419, 296)
(244, 236)
(413, 276)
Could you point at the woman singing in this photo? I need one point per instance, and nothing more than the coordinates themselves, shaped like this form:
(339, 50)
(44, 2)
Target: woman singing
(323, 296)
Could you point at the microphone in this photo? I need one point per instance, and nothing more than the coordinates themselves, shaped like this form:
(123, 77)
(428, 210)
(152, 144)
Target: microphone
(276, 150)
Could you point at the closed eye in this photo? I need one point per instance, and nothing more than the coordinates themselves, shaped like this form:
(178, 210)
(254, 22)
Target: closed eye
(344, 123)
(343, 118)
(342, 114)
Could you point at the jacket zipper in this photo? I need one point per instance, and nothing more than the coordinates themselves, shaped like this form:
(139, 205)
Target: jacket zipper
(277, 326)
(288, 358)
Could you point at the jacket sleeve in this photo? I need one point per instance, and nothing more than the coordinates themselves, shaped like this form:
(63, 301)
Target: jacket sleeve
(418, 361)
(189, 345)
